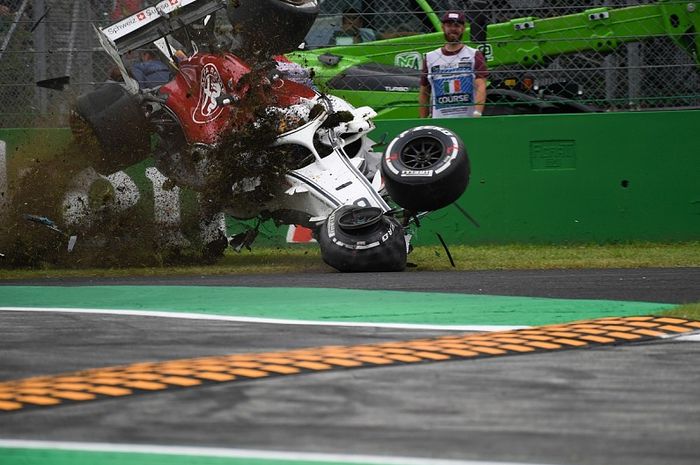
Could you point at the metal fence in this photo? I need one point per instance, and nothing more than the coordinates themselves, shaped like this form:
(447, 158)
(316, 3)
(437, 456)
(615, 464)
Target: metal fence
(43, 39)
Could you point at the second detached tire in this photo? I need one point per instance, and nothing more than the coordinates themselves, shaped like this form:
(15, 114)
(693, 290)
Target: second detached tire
(425, 168)
(359, 239)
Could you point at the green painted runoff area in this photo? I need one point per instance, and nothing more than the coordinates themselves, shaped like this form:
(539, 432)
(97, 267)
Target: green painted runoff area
(63, 457)
(315, 304)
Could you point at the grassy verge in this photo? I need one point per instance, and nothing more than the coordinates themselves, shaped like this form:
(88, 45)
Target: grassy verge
(688, 311)
(425, 258)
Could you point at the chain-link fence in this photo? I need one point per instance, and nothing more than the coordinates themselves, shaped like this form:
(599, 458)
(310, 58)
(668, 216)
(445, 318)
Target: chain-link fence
(45, 39)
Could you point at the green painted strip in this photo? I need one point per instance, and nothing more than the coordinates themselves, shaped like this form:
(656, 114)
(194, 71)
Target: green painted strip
(60, 457)
(327, 304)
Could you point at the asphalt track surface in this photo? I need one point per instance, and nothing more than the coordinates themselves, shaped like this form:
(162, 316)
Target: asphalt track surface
(628, 404)
(673, 285)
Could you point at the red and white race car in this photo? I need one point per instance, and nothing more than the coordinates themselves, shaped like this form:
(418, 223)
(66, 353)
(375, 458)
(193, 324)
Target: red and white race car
(250, 133)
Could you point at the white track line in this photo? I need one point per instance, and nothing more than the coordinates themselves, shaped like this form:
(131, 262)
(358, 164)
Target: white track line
(275, 321)
(238, 453)
(693, 337)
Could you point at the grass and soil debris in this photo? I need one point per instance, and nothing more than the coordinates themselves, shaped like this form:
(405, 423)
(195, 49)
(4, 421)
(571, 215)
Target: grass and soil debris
(307, 259)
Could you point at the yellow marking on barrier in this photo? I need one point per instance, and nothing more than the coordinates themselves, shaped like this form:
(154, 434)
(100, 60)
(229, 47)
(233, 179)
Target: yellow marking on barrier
(213, 368)
(87, 385)
(643, 324)
(374, 360)
(403, 358)
(432, 356)
(595, 332)
(145, 385)
(544, 345)
(395, 350)
(570, 342)
(486, 350)
(510, 340)
(73, 395)
(38, 400)
(9, 406)
(627, 336)
(598, 339)
(676, 329)
(461, 353)
(518, 348)
(342, 362)
(281, 369)
(618, 328)
(672, 320)
(111, 391)
(181, 381)
(249, 373)
(650, 333)
(212, 376)
(316, 366)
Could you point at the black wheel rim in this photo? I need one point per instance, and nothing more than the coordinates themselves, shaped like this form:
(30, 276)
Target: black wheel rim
(360, 217)
(422, 153)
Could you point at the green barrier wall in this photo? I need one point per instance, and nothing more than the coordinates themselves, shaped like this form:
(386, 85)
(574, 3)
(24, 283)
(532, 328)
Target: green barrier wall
(599, 177)
(549, 178)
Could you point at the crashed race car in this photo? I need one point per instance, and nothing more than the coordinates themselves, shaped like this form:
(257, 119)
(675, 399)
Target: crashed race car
(239, 126)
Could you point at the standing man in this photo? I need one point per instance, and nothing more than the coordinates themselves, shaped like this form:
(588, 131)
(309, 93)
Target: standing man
(453, 81)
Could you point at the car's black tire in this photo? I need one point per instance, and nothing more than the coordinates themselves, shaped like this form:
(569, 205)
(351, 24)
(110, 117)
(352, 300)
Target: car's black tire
(114, 118)
(425, 168)
(360, 239)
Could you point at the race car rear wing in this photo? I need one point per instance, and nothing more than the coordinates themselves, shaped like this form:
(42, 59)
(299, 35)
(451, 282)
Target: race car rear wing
(156, 22)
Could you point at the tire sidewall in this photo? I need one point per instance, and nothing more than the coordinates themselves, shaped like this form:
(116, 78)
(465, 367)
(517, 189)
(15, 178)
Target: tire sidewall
(435, 187)
(394, 168)
(380, 247)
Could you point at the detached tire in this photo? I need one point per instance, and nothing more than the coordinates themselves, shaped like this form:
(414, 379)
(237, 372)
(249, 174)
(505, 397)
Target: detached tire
(425, 168)
(358, 239)
(113, 117)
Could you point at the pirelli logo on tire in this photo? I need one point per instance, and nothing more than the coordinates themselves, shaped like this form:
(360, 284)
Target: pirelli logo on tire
(423, 173)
